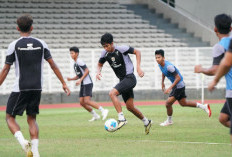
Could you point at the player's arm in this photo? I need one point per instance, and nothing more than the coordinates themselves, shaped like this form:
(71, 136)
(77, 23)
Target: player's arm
(56, 70)
(207, 71)
(72, 78)
(4, 72)
(86, 72)
(177, 79)
(223, 69)
(162, 83)
(138, 61)
(99, 68)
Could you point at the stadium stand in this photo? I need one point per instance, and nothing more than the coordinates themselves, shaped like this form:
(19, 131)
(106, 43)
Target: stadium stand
(81, 23)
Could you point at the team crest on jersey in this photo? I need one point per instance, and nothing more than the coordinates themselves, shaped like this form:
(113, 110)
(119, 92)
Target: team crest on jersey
(113, 59)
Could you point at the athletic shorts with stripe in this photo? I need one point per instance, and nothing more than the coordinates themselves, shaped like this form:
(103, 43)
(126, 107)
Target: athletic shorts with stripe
(125, 86)
(178, 93)
(18, 102)
(86, 90)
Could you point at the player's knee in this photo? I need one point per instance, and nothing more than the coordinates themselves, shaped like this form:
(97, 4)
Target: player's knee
(82, 103)
(112, 93)
(168, 105)
(222, 120)
(9, 117)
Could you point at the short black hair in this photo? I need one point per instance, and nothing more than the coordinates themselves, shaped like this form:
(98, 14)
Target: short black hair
(159, 52)
(107, 38)
(25, 22)
(75, 49)
(223, 23)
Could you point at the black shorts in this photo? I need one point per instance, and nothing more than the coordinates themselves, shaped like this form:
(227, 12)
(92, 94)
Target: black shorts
(225, 109)
(125, 86)
(86, 90)
(178, 93)
(18, 102)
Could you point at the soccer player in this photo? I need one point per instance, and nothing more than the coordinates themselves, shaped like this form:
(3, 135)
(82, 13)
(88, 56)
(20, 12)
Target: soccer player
(225, 69)
(176, 90)
(120, 62)
(83, 78)
(222, 29)
(27, 53)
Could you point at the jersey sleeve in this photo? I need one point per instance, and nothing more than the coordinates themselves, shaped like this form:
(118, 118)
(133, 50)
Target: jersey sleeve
(47, 53)
(10, 54)
(230, 46)
(81, 64)
(102, 58)
(172, 69)
(218, 54)
(126, 49)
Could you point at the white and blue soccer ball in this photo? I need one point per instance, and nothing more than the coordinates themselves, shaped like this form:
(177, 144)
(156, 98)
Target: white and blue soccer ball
(111, 125)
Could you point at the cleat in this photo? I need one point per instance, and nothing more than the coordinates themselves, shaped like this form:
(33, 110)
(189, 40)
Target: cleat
(166, 123)
(121, 123)
(94, 119)
(207, 109)
(147, 127)
(27, 148)
(105, 114)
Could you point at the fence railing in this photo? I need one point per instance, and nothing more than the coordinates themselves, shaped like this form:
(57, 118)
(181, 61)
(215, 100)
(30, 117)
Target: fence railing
(183, 58)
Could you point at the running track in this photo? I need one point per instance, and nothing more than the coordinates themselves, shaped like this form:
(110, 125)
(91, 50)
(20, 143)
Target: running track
(137, 103)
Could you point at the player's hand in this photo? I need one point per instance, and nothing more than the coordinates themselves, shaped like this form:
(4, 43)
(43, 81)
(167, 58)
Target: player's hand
(140, 72)
(98, 76)
(212, 85)
(197, 68)
(66, 89)
(163, 87)
(167, 91)
(69, 79)
(78, 82)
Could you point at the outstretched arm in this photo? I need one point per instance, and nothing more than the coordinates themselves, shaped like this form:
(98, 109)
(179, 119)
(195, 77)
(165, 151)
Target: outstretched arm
(99, 68)
(207, 71)
(4, 73)
(72, 78)
(138, 61)
(59, 75)
(223, 69)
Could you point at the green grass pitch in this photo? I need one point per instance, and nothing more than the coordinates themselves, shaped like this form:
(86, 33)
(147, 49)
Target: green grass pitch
(67, 133)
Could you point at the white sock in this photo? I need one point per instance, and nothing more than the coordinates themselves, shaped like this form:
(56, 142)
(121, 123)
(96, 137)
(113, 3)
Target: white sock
(19, 136)
(34, 146)
(200, 105)
(121, 116)
(94, 113)
(101, 109)
(169, 118)
(145, 121)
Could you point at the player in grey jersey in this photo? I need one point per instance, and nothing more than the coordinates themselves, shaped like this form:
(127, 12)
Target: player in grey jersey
(83, 78)
(28, 54)
(120, 62)
(222, 30)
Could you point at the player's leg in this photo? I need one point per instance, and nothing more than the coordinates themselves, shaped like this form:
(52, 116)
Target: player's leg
(34, 133)
(224, 117)
(129, 100)
(33, 101)
(88, 101)
(89, 109)
(16, 106)
(114, 98)
(87, 92)
(169, 102)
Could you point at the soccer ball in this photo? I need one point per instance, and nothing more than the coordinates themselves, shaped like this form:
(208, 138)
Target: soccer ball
(111, 125)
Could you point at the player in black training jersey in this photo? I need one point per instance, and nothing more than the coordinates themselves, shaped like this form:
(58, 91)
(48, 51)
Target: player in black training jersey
(27, 53)
(120, 62)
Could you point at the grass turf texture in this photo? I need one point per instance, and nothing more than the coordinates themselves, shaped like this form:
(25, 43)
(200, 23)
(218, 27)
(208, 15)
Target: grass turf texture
(67, 132)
